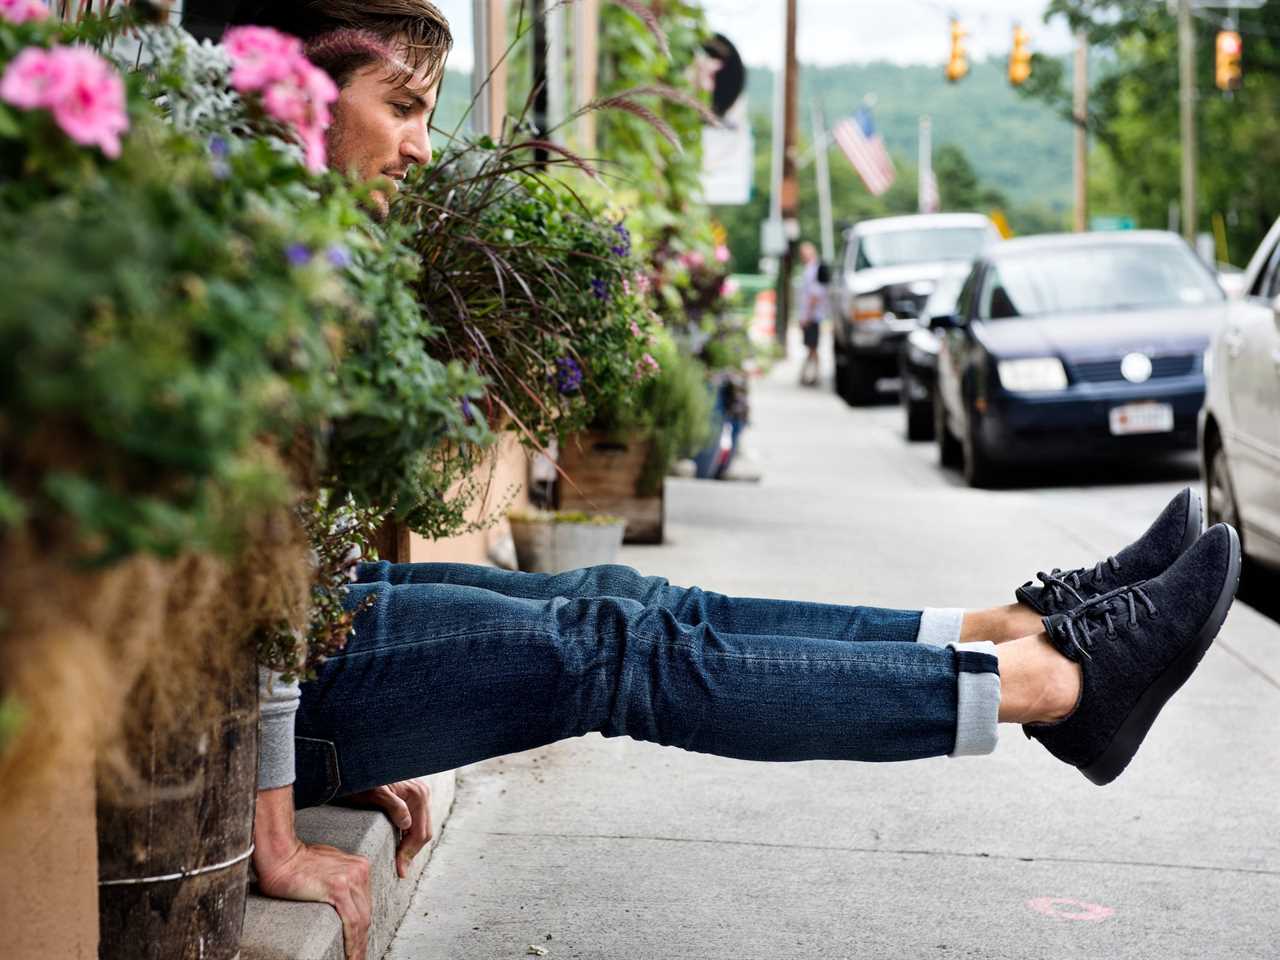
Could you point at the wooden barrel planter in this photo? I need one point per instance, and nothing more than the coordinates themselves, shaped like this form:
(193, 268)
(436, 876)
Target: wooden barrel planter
(605, 473)
(173, 861)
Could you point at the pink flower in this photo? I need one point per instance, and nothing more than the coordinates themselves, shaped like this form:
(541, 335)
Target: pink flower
(646, 366)
(259, 56)
(635, 329)
(294, 90)
(82, 90)
(722, 253)
(20, 11)
(32, 79)
(693, 260)
(729, 287)
(642, 282)
(91, 108)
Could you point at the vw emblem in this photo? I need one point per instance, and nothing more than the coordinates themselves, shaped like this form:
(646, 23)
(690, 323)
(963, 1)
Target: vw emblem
(1136, 368)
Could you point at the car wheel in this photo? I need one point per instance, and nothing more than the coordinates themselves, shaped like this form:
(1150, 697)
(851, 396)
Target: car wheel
(1220, 495)
(917, 414)
(980, 469)
(919, 420)
(950, 453)
(839, 376)
(860, 381)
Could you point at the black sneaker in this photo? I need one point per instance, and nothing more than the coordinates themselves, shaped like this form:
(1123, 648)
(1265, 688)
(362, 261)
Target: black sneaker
(1136, 646)
(1173, 533)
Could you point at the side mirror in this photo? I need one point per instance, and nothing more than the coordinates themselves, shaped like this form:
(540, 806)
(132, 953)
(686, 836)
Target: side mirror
(945, 321)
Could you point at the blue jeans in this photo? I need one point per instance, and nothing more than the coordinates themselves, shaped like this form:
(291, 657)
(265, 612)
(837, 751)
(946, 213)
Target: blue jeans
(453, 664)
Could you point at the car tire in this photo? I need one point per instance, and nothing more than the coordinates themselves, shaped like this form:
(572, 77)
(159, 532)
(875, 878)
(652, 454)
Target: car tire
(839, 375)
(950, 453)
(1221, 505)
(860, 381)
(917, 414)
(919, 420)
(980, 468)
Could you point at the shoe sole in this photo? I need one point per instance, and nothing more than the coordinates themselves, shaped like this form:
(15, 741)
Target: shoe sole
(1111, 763)
(1195, 523)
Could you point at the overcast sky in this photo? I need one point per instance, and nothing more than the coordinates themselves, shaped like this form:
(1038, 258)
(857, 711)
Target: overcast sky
(845, 31)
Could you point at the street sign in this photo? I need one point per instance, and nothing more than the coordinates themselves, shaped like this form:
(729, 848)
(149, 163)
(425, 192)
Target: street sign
(1112, 223)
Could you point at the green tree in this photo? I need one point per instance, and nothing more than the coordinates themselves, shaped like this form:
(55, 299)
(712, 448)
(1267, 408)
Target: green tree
(1133, 115)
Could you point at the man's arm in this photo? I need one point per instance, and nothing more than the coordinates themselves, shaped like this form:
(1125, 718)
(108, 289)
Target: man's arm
(292, 870)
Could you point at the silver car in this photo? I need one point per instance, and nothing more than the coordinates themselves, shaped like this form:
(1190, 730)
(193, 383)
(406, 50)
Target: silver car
(1240, 422)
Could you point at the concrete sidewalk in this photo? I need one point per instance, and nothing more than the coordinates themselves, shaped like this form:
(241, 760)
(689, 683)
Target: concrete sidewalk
(610, 848)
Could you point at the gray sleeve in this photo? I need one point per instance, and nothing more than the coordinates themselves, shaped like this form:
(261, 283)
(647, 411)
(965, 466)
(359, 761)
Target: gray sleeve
(277, 708)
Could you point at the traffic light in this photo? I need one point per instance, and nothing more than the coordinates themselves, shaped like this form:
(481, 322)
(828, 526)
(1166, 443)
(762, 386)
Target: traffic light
(1227, 72)
(958, 64)
(1019, 58)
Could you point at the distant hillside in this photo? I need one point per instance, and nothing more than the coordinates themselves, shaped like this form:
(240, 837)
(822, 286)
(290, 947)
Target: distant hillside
(1017, 145)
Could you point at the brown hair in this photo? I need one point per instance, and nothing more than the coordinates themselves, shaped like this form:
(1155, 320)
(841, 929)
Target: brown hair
(342, 35)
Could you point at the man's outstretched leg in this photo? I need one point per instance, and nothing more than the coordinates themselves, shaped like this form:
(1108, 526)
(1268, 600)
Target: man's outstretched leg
(1172, 533)
(441, 676)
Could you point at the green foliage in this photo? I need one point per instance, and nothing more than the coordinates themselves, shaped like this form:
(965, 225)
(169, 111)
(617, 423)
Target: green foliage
(565, 516)
(530, 285)
(154, 330)
(673, 408)
(631, 57)
(1134, 116)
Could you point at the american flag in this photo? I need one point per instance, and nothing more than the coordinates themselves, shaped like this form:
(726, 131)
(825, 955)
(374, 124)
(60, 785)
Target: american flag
(861, 143)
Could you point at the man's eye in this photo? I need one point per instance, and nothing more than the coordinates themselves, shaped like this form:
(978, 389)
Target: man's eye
(402, 109)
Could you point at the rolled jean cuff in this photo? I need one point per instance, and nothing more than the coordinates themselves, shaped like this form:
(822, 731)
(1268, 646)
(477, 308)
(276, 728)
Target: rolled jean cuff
(940, 626)
(977, 699)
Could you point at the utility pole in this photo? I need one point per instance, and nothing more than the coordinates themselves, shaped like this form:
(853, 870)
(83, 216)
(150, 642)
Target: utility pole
(823, 171)
(539, 59)
(1187, 101)
(1080, 113)
(790, 188)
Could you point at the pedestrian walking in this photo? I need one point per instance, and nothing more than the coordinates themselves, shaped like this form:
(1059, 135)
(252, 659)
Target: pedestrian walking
(450, 664)
(813, 300)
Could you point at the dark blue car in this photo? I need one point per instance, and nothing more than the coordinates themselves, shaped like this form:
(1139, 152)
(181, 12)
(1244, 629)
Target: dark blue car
(1074, 345)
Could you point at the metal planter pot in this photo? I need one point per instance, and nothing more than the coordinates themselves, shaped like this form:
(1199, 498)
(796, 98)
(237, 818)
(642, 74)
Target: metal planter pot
(551, 547)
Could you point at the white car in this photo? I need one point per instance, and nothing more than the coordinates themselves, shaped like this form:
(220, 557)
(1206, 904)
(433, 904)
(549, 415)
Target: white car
(1240, 422)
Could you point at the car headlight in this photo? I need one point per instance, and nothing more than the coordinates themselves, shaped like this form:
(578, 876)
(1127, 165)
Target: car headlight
(869, 306)
(1036, 373)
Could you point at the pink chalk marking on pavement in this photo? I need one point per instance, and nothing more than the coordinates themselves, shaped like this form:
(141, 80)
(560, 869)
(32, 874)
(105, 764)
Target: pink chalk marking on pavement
(1063, 908)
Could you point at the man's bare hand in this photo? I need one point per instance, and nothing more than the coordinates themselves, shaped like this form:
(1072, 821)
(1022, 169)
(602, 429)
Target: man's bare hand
(408, 805)
(321, 874)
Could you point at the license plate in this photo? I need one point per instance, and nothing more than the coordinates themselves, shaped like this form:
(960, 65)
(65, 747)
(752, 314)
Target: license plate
(1141, 418)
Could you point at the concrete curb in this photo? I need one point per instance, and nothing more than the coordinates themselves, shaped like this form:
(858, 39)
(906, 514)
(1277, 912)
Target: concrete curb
(281, 930)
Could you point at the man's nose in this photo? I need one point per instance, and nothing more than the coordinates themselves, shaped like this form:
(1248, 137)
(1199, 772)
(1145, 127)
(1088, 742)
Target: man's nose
(416, 147)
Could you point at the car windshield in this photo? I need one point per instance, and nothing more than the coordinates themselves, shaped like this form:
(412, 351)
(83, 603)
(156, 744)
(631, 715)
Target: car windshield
(897, 247)
(1125, 276)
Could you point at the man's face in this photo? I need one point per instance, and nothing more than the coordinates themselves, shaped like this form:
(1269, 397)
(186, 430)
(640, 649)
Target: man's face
(380, 126)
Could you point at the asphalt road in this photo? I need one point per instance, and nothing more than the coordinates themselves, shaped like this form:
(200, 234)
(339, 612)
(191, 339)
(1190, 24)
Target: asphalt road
(610, 848)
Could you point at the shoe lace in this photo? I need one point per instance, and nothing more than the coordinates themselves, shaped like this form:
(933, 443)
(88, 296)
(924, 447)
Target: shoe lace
(1101, 616)
(1057, 582)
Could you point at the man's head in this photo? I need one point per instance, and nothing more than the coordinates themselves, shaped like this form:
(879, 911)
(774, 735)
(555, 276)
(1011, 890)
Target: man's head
(387, 58)
(808, 252)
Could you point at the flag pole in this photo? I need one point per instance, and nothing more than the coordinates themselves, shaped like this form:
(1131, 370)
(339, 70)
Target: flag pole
(924, 165)
(823, 172)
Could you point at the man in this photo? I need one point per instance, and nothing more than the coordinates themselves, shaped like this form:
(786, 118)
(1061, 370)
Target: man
(452, 664)
(813, 298)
